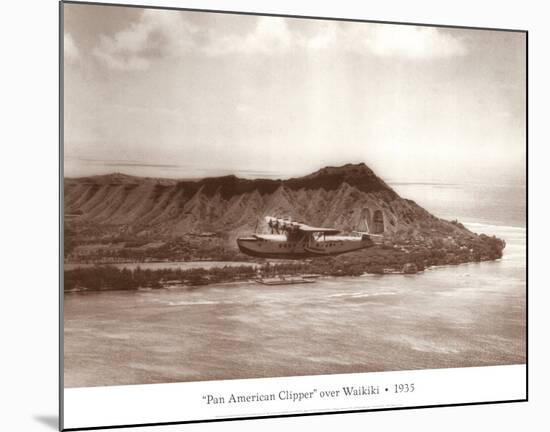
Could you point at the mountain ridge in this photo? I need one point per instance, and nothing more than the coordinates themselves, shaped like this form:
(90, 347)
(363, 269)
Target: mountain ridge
(328, 178)
(228, 202)
(118, 216)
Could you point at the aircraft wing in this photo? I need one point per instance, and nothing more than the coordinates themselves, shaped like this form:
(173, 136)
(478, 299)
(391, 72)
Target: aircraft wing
(307, 228)
(288, 223)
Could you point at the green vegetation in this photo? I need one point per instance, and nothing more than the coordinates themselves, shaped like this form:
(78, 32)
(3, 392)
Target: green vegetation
(388, 258)
(410, 248)
(132, 248)
(112, 278)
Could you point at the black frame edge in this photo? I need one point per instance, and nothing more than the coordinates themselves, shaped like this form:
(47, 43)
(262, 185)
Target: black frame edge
(61, 256)
(61, 213)
(233, 12)
(295, 415)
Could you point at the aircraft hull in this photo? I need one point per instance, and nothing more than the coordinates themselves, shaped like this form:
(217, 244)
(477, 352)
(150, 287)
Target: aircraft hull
(260, 248)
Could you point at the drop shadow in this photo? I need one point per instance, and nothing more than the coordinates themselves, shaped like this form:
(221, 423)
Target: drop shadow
(48, 420)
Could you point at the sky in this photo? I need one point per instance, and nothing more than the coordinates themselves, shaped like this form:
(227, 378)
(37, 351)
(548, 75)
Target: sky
(179, 94)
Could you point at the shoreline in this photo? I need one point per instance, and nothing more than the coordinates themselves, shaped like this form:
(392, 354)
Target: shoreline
(88, 264)
(396, 258)
(250, 281)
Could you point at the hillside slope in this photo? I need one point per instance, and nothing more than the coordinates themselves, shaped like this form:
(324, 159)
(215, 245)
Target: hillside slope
(343, 197)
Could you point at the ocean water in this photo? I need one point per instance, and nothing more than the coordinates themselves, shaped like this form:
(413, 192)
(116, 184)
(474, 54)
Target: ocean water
(451, 316)
(491, 204)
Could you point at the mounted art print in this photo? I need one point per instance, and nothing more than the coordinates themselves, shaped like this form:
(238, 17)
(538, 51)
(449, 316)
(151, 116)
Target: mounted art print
(267, 215)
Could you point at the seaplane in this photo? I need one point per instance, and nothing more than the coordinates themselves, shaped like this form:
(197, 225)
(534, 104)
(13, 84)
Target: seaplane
(295, 240)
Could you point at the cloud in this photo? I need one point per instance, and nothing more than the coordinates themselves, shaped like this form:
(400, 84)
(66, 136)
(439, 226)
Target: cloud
(271, 35)
(327, 37)
(159, 34)
(70, 50)
(412, 42)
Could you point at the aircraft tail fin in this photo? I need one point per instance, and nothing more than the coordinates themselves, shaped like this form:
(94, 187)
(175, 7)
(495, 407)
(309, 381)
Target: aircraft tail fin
(376, 234)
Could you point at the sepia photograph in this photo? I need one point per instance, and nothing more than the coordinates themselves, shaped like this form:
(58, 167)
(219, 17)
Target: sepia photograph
(253, 196)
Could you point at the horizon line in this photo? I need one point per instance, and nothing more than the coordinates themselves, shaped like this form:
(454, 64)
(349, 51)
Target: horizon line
(280, 177)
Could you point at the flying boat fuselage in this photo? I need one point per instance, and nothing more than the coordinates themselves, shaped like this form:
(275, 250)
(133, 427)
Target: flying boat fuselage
(293, 240)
